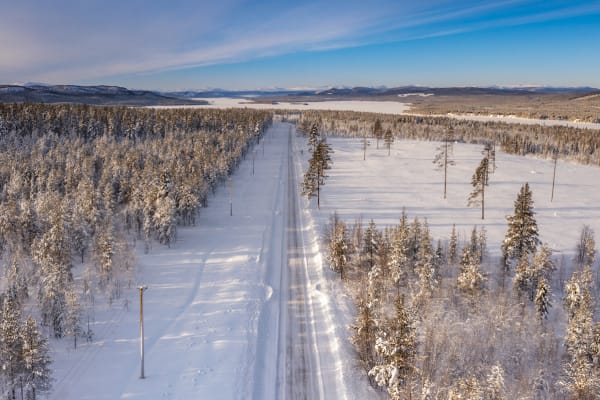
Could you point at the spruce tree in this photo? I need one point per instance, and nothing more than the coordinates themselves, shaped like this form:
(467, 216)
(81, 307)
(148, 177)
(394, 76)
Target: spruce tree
(11, 344)
(522, 235)
(453, 246)
(396, 345)
(338, 248)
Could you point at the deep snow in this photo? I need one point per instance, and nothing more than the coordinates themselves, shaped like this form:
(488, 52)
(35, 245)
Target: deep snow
(211, 307)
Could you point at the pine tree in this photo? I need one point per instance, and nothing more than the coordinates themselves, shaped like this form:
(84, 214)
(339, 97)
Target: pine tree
(36, 373)
(442, 158)
(378, 131)
(388, 138)
(478, 181)
(313, 138)
(315, 176)
(522, 235)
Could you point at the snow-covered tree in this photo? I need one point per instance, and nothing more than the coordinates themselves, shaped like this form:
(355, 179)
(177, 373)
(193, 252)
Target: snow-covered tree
(400, 257)
(377, 131)
(453, 246)
(522, 235)
(365, 329)
(585, 252)
(478, 181)
(466, 388)
(388, 138)
(543, 298)
(396, 344)
(73, 315)
(338, 248)
(371, 242)
(471, 280)
(582, 369)
(11, 345)
(37, 376)
(495, 389)
(313, 138)
(315, 176)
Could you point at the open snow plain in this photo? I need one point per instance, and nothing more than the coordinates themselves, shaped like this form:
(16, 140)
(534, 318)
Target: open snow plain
(379, 187)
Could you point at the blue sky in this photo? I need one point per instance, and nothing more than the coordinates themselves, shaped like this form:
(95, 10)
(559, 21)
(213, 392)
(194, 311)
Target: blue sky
(237, 44)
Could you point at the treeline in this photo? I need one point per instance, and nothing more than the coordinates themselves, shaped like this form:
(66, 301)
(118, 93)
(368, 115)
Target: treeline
(581, 145)
(443, 320)
(79, 185)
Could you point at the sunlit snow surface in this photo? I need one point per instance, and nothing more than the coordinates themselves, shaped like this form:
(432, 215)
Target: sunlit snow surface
(206, 293)
(380, 107)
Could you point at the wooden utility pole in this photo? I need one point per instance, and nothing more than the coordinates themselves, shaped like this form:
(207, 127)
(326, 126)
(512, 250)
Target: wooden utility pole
(142, 290)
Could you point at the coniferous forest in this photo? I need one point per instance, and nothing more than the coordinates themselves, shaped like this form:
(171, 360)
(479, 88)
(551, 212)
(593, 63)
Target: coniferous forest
(80, 187)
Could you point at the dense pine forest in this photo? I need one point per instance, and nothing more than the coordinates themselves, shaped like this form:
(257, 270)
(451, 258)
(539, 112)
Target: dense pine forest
(80, 187)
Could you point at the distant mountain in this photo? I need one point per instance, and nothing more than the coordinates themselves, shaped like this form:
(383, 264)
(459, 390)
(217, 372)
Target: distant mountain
(99, 95)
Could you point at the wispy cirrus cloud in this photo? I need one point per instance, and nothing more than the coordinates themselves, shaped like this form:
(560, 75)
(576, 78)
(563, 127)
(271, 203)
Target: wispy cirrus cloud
(70, 40)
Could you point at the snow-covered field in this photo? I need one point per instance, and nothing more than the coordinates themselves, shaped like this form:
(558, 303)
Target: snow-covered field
(379, 107)
(206, 334)
(379, 187)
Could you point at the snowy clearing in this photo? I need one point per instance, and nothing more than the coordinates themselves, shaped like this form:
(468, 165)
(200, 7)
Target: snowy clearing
(378, 107)
(379, 187)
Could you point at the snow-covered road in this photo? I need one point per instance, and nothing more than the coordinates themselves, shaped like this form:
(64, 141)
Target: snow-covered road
(231, 310)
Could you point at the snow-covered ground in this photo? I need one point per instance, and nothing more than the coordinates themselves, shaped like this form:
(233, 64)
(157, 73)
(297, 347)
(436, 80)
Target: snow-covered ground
(213, 306)
(379, 187)
(380, 107)
(211, 311)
